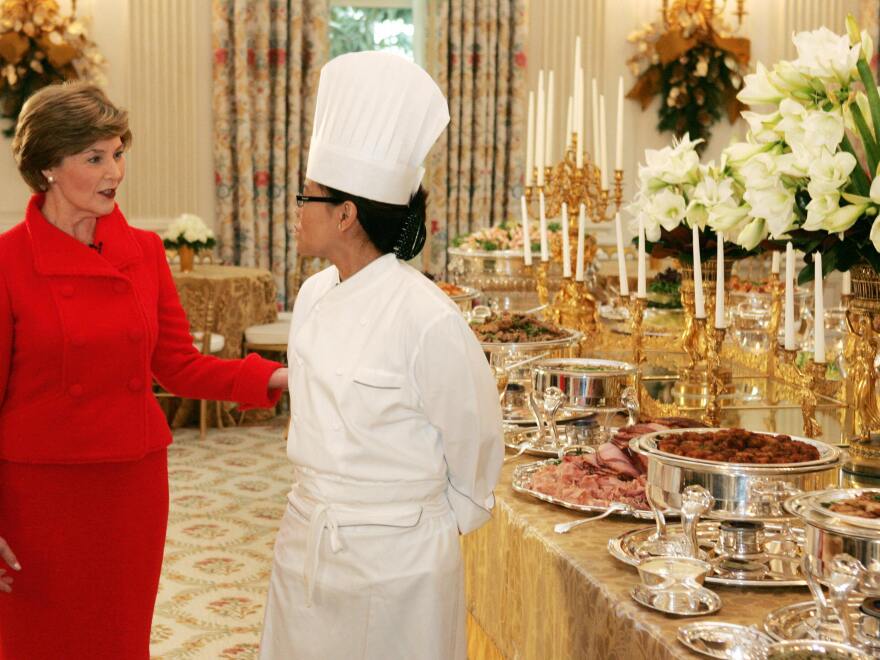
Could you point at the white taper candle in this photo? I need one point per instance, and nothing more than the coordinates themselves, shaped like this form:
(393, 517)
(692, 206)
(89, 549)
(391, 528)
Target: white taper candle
(699, 300)
(579, 257)
(621, 258)
(540, 130)
(774, 262)
(530, 142)
(789, 298)
(846, 285)
(618, 145)
(527, 243)
(819, 311)
(595, 102)
(603, 142)
(548, 148)
(720, 321)
(545, 246)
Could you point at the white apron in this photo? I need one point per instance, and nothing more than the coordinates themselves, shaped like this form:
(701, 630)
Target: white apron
(354, 563)
(396, 441)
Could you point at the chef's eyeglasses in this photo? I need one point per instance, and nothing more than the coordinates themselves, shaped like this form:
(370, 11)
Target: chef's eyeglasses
(302, 199)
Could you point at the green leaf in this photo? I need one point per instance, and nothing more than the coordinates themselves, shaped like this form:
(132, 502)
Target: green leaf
(859, 178)
(872, 150)
(871, 90)
(807, 274)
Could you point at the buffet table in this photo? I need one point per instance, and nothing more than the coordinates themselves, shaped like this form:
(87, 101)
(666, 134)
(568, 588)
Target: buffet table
(532, 593)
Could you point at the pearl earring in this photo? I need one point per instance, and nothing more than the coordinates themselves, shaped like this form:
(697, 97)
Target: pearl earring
(50, 179)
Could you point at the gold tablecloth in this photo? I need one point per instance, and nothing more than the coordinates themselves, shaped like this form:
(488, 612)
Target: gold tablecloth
(535, 594)
(248, 298)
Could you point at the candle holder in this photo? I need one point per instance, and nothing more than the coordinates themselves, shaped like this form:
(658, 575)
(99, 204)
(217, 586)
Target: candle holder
(713, 375)
(776, 295)
(809, 380)
(637, 316)
(541, 282)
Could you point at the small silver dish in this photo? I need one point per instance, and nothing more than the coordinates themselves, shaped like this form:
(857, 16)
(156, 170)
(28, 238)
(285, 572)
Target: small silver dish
(740, 538)
(796, 649)
(727, 641)
(673, 573)
(685, 602)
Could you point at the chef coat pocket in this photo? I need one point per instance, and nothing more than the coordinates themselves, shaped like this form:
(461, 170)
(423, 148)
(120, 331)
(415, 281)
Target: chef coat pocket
(378, 379)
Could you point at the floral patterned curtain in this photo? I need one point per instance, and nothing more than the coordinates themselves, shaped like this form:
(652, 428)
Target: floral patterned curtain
(267, 57)
(476, 51)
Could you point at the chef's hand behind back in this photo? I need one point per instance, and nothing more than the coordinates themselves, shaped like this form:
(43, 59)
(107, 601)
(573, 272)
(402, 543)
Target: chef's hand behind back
(278, 380)
(7, 556)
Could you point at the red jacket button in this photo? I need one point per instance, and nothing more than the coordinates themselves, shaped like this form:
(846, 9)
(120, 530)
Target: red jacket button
(135, 384)
(67, 290)
(78, 342)
(120, 287)
(76, 390)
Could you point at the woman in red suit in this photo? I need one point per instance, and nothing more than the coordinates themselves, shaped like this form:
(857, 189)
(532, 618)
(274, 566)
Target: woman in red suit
(88, 317)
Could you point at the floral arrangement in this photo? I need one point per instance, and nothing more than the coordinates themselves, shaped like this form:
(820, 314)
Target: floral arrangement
(188, 230)
(807, 170)
(695, 67)
(676, 193)
(38, 47)
(501, 237)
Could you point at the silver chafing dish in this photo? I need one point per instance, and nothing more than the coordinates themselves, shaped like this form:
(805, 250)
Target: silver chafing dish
(551, 347)
(465, 299)
(588, 384)
(740, 491)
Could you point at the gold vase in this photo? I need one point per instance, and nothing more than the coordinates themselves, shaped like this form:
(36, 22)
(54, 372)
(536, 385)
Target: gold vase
(187, 258)
(860, 353)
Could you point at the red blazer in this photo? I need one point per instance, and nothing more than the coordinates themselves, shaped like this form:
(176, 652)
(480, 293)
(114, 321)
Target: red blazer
(81, 336)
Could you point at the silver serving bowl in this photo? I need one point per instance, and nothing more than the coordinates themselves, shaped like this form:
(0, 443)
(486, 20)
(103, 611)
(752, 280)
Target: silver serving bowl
(587, 383)
(828, 533)
(465, 300)
(740, 491)
(554, 347)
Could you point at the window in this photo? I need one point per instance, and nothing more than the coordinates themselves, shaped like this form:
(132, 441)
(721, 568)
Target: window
(393, 25)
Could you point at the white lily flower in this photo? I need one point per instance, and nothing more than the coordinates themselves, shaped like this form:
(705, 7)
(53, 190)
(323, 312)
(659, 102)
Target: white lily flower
(820, 208)
(758, 90)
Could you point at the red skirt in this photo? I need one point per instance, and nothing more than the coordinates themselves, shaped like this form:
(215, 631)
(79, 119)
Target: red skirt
(89, 539)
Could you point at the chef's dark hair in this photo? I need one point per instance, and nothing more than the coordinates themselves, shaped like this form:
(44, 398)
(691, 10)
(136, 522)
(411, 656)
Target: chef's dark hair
(397, 228)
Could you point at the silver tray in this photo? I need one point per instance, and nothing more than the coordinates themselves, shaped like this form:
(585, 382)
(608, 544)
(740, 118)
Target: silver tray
(543, 446)
(623, 547)
(700, 602)
(521, 484)
(798, 621)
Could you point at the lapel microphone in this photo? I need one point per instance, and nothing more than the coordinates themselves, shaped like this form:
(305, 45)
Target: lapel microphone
(99, 246)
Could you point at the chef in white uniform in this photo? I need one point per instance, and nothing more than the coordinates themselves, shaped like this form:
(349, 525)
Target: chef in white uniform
(395, 435)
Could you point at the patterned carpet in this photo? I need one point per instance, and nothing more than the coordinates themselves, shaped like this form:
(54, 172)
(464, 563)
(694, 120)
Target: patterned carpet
(227, 497)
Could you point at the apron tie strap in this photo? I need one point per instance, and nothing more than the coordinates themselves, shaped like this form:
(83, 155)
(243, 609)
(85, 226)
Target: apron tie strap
(322, 518)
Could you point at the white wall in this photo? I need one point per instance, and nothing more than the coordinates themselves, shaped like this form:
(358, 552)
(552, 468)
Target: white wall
(159, 55)
(604, 26)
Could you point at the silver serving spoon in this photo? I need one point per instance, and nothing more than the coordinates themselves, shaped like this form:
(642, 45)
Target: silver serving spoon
(553, 400)
(614, 507)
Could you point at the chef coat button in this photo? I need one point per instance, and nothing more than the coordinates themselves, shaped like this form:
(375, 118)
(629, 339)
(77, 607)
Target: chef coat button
(76, 390)
(67, 290)
(336, 426)
(339, 372)
(135, 334)
(363, 321)
(299, 360)
(120, 287)
(135, 384)
(78, 342)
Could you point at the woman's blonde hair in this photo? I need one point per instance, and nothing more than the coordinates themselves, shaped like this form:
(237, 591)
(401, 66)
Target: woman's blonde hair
(62, 120)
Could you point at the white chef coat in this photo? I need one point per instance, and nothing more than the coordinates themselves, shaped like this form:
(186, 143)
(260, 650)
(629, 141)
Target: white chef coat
(395, 438)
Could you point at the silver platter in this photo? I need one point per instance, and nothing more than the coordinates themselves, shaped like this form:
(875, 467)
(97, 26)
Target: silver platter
(717, 639)
(522, 484)
(781, 557)
(801, 622)
(543, 445)
(692, 602)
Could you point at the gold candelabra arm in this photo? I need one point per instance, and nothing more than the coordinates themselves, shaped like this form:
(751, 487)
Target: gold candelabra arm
(715, 340)
(860, 353)
(814, 376)
(541, 282)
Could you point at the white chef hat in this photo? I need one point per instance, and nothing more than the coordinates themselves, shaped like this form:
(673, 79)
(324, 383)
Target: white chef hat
(376, 117)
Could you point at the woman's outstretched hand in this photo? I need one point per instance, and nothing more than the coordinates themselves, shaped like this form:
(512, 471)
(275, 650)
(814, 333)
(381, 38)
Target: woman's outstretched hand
(278, 380)
(7, 556)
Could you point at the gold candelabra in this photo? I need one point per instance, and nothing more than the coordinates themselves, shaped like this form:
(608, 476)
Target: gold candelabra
(714, 378)
(566, 182)
(776, 292)
(810, 378)
(637, 316)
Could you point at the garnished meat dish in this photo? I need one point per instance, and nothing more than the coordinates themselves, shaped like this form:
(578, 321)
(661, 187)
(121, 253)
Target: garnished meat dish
(866, 505)
(612, 474)
(510, 327)
(450, 289)
(747, 286)
(738, 446)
